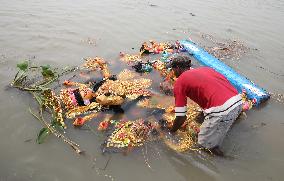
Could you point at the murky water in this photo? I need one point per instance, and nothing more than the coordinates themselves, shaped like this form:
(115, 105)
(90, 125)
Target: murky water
(57, 32)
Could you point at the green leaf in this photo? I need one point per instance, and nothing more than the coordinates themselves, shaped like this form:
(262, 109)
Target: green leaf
(23, 65)
(57, 125)
(46, 71)
(45, 67)
(43, 133)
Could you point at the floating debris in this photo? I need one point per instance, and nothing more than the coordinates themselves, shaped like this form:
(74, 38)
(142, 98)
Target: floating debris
(90, 41)
(228, 49)
(278, 97)
(129, 134)
(79, 98)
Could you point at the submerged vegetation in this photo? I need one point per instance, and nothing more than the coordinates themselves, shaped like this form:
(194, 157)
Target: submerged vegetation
(38, 80)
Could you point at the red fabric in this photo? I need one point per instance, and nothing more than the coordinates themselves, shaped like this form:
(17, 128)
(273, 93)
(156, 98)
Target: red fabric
(203, 85)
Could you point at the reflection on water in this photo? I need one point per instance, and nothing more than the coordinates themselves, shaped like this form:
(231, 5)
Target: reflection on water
(64, 32)
(201, 167)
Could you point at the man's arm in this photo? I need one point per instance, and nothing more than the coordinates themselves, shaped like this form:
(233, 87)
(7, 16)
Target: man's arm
(180, 105)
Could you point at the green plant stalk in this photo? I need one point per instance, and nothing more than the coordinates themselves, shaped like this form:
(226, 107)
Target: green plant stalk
(28, 89)
(37, 98)
(37, 88)
(19, 78)
(50, 81)
(73, 145)
(15, 77)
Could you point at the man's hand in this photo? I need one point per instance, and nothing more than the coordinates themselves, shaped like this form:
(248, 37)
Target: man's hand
(178, 122)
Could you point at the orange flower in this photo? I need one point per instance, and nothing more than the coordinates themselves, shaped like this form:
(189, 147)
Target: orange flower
(103, 125)
(79, 122)
(67, 83)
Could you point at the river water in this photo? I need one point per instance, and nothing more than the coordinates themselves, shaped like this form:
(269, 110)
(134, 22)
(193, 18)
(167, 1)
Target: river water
(63, 32)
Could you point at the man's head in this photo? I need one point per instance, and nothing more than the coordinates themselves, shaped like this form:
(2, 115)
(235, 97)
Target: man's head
(180, 64)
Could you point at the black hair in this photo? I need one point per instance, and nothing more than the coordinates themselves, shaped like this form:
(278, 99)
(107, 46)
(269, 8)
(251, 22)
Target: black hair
(183, 62)
(78, 97)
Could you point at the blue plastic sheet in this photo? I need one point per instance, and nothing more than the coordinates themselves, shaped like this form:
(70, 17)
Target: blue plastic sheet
(239, 82)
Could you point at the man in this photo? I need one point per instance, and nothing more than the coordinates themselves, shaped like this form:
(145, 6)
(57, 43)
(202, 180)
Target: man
(219, 100)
